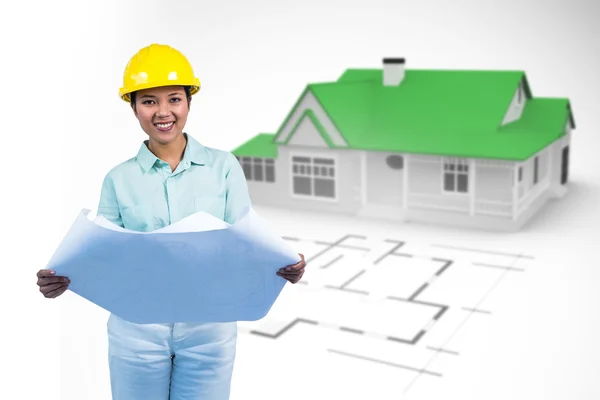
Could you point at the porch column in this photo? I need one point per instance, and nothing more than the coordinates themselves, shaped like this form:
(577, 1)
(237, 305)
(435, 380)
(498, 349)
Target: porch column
(405, 166)
(550, 170)
(471, 186)
(515, 191)
(363, 177)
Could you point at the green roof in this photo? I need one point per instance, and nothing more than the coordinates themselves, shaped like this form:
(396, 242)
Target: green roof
(444, 112)
(260, 145)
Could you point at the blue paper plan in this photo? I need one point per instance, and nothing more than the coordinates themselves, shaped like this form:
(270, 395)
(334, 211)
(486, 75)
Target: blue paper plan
(223, 274)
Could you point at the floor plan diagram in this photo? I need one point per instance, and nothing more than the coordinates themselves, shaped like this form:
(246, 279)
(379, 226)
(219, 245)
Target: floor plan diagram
(387, 311)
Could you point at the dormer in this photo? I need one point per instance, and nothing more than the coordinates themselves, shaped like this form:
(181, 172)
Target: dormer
(517, 104)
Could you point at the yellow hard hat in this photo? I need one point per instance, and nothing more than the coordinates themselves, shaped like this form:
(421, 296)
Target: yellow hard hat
(155, 66)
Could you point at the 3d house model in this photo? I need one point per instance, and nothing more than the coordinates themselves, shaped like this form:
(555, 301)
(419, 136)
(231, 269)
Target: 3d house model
(464, 148)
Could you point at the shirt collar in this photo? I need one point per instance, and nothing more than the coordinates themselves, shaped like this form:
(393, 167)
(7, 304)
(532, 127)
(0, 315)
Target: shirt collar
(194, 153)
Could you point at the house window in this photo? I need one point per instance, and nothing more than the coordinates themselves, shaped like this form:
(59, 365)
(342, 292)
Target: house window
(520, 174)
(536, 167)
(258, 169)
(395, 161)
(456, 175)
(269, 170)
(313, 176)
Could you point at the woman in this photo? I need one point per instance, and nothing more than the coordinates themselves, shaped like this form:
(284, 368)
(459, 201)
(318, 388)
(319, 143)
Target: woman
(171, 177)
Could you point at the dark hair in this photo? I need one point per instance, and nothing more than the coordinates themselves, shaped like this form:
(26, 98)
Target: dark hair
(188, 90)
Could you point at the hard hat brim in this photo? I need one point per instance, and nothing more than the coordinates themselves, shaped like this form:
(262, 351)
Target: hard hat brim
(124, 93)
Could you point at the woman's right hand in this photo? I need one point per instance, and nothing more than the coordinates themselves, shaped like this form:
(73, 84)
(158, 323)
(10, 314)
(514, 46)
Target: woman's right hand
(50, 285)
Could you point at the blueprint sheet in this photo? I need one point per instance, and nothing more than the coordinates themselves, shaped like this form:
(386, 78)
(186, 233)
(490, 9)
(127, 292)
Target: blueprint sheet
(199, 269)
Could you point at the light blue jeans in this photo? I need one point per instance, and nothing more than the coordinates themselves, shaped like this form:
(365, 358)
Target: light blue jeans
(170, 361)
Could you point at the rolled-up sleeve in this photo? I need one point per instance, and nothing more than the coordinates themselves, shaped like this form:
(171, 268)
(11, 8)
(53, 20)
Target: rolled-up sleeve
(238, 197)
(108, 206)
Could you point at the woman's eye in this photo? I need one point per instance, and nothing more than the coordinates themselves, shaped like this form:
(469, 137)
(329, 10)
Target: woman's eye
(152, 101)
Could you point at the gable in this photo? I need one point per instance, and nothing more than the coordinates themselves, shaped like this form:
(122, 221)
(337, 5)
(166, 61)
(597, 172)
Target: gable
(308, 131)
(308, 102)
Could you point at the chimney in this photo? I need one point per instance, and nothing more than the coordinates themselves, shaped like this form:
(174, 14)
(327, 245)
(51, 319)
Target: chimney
(393, 71)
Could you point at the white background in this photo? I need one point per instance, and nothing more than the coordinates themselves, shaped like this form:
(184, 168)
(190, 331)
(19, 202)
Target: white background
(63, 126)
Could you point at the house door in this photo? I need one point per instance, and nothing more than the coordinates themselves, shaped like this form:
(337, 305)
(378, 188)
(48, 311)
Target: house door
(564, 167)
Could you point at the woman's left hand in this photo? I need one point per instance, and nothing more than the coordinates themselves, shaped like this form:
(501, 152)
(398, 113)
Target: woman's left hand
(293, 273)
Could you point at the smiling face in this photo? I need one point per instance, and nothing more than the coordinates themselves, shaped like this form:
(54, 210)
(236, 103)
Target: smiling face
(162, 112)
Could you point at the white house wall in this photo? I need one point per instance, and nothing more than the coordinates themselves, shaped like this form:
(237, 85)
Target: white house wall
(490, 208)
(490, 187)
(425, 175)
(425, 184)
(544, 168)
(494, 181)
(532, 197)
(383, 184)
(347, 181)
(267, 193)
(556, 161)
(310, 102)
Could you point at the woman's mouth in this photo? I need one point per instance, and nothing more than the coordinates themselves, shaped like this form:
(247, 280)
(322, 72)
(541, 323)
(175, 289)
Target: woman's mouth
(165, 127)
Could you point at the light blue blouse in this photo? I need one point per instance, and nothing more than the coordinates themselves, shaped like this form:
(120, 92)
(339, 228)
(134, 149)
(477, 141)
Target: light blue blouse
(143, 194)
